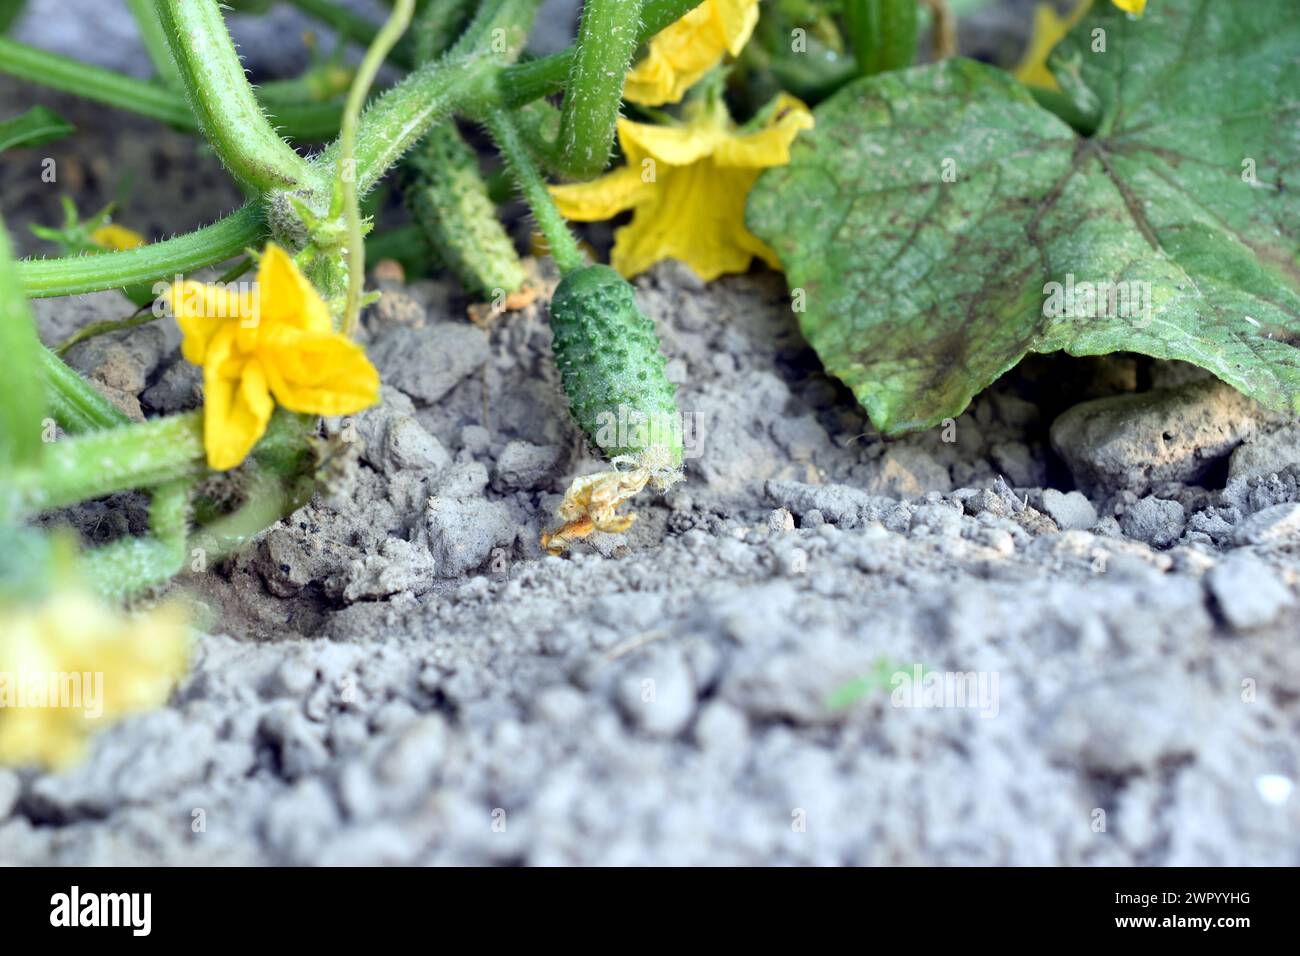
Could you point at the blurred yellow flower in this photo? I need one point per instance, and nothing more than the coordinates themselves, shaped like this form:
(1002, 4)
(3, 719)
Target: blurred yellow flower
(1049, 30)
(73, 665)
(686, 186)
(682, 53)
(273, 339)
(113, 238)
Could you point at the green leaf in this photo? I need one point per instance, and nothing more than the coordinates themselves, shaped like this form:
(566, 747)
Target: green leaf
(918, 291)
(34, 128)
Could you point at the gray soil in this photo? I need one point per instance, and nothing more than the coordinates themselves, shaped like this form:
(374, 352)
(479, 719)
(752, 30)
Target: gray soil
(1109, 551)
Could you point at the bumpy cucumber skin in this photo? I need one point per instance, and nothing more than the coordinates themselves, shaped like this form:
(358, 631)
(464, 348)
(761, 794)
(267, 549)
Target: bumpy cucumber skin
(449, 200)
(609, 358)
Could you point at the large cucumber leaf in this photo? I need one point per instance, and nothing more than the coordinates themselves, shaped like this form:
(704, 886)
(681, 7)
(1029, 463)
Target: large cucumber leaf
(926, 216)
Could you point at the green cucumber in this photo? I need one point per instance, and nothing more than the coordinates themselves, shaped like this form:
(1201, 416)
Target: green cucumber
(449, 200)
(883, 34)
(613, 371)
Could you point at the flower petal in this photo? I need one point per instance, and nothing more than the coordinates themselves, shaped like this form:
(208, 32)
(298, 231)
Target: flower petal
(320, 374)
(236, 402)
(673, 145)
(604, 197)
(201, 311)
(286, 297)
(117, 238)
(684, 51)
(1131, 6)
(769, 146)
(698, 216)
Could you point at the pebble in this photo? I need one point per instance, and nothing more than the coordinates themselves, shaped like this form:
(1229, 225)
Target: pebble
(1248, 592)
(1154, 520)
(1070, 510)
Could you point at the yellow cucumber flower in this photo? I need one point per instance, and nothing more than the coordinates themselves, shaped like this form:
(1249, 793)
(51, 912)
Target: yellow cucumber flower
(1049, 30)
(113, 238)
(275, 339)
(686, 186)
(684, 51)
(72, 665)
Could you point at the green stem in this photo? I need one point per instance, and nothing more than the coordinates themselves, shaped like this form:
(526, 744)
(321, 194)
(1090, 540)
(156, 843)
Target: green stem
(399, 118)
(131, 565)
(75, 275)
(564, 248)
(306, 122)
(353, 26)
(73, 402)
(531, 81)
(607, 38)
(22, 404)
(93, 82)
(155, 42)
(388, 36)
(117, 459)
(437, 26)
(219, 94)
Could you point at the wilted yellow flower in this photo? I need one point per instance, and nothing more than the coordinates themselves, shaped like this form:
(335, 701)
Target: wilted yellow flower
(73, 665)
(687, 187)
(113, 238)
(275, 339)
(1049, 30)
(682, 53)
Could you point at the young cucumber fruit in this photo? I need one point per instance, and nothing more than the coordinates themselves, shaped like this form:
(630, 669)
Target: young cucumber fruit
(612, 370)
(449, 200)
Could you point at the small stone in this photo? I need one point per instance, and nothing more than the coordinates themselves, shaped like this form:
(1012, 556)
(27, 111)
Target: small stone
(1268, 454)
(179, 389)
(659, 697)
(1018, 464)
(1154, 520)
(395, 308)
(1273, 525)
(461, 533)
(1130, 442)
(522, 464)
(463, 480)
(780, 520)
(1071, 510)
(906, 472)
(721, 727)
(1248, 592)
(408, 445)
(428, 363)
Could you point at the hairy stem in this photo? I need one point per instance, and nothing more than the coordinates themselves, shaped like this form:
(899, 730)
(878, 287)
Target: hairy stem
(607, 38)
(221, 98)
(22, 404)
(531, 81)
(564, 248)
(75, 404)
(75, 275)
(388, 36)
(116, 459)
(353, 26)
(154, 38)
